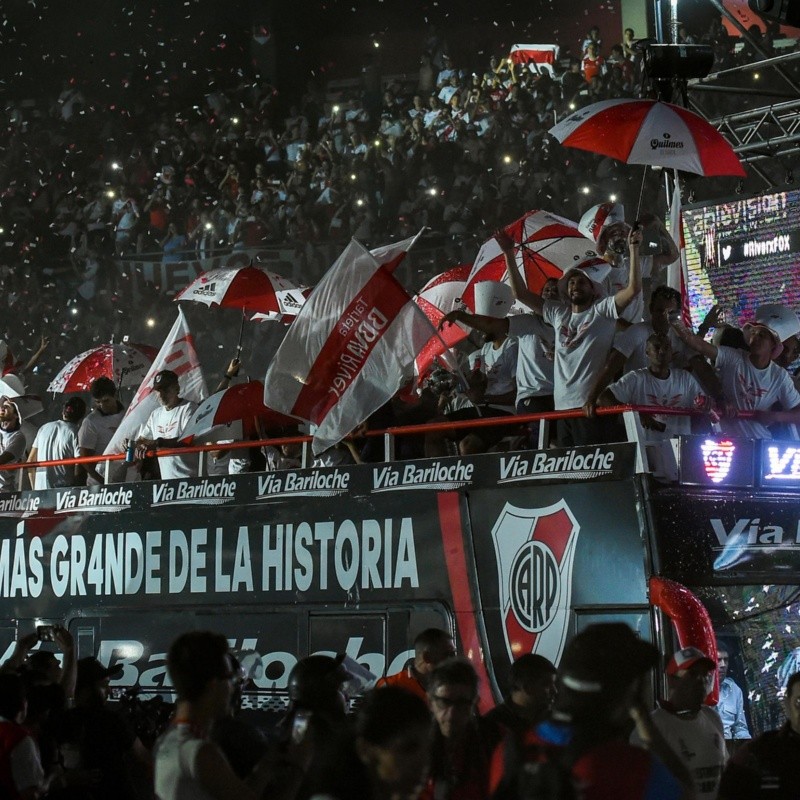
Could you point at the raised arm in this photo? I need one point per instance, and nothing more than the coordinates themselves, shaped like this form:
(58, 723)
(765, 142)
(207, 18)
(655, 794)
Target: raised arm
(624, 297)
(521, 291)
(490, 325)
(697, 343)
(672, 254)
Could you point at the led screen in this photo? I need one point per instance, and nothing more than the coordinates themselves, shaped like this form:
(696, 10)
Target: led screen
(743, 254)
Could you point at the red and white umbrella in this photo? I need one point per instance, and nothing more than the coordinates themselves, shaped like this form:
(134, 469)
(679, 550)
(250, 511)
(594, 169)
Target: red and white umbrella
(125, 364)
(650, 132)
(546, 246)
(249, 288)
(440, 295)
(242, 402)
(294, 303)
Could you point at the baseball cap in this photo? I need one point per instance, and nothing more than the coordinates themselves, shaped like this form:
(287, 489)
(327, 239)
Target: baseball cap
(90, 671)
(779, 318)
(750, 327)
(164, 379)
(687, 658)
(595, 269)
(605, 656)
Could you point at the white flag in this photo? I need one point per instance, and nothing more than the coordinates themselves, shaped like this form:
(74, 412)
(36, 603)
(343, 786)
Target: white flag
(678, 271)
(177, 354)
(350, 347)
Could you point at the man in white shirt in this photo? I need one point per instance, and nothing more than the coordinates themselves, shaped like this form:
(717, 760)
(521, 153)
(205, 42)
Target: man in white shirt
(12, 442)
(57, 440)
(99, 427)
(659, 384)
(692, 730)
(584, 323)
(751, 381)
(731, 700)
(166, 425)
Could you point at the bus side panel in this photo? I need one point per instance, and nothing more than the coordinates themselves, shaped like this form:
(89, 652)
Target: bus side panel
(554, 558)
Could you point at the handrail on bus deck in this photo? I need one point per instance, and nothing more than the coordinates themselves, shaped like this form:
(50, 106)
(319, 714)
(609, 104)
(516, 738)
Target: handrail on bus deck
(633, 427)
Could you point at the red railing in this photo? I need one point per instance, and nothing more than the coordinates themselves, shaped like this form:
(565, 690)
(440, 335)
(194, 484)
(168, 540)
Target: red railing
(388, 433)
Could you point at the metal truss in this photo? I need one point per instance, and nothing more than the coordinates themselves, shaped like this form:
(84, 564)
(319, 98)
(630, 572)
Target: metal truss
(763, 132)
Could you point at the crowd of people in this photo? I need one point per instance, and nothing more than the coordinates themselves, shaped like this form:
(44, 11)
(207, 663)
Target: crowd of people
(459, 149)
(583, 730)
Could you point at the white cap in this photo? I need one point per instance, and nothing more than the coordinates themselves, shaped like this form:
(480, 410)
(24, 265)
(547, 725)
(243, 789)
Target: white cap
(780, 319)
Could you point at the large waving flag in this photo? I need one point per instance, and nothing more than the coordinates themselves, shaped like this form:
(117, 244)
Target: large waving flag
(351, 346)
(178, 354)
(678, 271)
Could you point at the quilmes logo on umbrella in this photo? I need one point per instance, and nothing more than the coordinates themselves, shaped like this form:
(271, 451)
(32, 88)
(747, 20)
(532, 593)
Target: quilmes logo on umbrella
(666, 142)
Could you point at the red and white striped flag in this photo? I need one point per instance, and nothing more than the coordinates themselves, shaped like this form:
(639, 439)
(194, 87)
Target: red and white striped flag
(351, 346)
(177, 354)
(678, 272)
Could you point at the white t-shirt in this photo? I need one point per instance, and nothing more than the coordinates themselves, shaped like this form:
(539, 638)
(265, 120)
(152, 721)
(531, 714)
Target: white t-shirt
(582, 342)
(96, 432)
(57, 439)
(632, 343)
(499, 365)
(698, 743)
(175, 760)
(617, 279)
(11, 442)
(749, 388)
(170, 423)
(535, 356)
(679, 389)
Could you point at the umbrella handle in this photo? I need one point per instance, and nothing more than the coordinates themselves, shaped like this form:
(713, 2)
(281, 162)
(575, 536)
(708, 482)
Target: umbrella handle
(241, 332)
(641, 192)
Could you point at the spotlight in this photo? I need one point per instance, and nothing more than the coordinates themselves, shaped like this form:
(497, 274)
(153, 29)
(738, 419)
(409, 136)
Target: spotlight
(335, 109)
(74, 311)
(612, 198)
(235, 120)
(208, 226)
(586, 190)
(115, 165)
(507, 159)
(756, 76)
(377, 143)
(359, 202)
(376, 45)
(110, 194)
(572, 106)
(432, 192)
(352, 176)
(151, 323)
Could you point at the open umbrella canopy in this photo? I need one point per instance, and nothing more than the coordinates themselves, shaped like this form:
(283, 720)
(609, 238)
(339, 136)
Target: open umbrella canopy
(125, 364)
(298, 299)
(249, 288)
(649, 132)
(440, 295)
(546, 246)
(242, 402)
